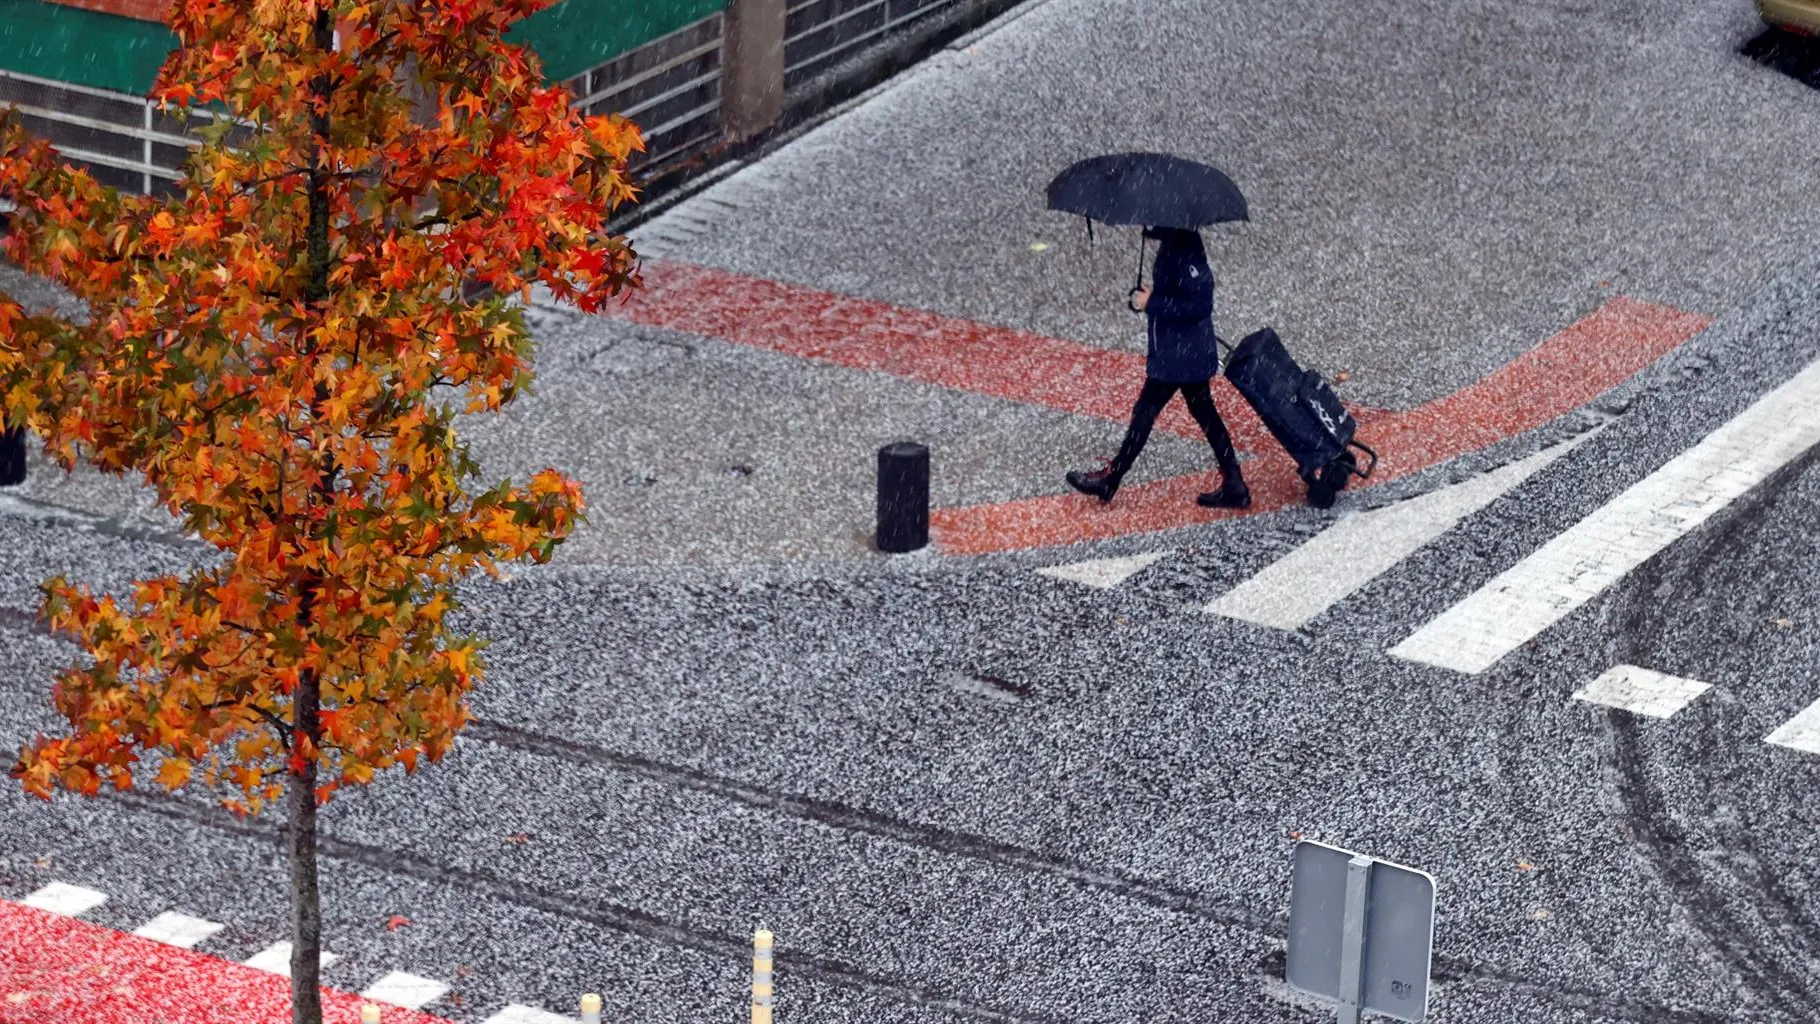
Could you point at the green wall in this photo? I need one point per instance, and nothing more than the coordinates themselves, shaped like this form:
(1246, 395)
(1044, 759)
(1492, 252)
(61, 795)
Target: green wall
(105, 51)
(575, 35)
(67, 44)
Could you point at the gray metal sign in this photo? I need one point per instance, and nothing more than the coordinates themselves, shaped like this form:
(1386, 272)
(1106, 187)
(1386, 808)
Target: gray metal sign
(1361, 931)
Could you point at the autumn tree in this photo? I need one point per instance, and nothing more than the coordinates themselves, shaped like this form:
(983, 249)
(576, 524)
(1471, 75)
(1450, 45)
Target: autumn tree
(280, 348)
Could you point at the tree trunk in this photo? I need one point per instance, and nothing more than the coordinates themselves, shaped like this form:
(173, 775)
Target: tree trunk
(306, 903)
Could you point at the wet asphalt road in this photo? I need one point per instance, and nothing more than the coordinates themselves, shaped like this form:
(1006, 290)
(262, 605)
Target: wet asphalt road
(963, 791)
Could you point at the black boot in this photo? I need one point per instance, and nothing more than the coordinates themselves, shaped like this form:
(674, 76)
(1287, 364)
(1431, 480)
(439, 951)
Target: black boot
(1102, 483)
(1232, 494)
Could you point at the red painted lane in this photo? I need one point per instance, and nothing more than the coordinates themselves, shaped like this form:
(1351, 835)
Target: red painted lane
(1576, 365)
(1582, 362)
(61, 970)
(864, 334)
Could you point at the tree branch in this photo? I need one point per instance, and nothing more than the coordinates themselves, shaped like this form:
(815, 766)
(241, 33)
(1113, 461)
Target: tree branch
(279, 724)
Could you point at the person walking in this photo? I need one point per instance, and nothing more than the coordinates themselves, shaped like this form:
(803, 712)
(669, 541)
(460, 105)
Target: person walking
(1181, 355)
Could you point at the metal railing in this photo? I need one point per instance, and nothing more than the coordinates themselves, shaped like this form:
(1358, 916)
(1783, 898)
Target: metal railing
(52, 103)
(15, 84)
(670, 85)
(890, 15)
(692, 67)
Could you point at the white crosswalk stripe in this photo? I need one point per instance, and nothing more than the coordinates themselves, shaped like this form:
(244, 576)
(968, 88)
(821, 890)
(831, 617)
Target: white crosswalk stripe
(518, 1013)
(1580, 563)
(1641, 691)
(1103, 573)
(407, 990)
(1359, 548)
(276, 958)
(1572, 568)
(65, 899)
(1801, 732)
(175, 929)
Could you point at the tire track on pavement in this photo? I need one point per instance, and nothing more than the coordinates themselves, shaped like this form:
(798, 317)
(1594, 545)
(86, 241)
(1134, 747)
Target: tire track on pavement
(1680, 857)
(1671, 851)
(854, 819)
(832, 814)
(631, 920)
(567, 904)
(956, 843)
(30, 622)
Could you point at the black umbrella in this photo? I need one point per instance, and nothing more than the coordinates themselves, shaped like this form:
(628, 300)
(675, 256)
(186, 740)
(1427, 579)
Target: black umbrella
(1151, 189)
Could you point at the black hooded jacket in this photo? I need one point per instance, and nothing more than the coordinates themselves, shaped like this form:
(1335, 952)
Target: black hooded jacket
(1180, 310)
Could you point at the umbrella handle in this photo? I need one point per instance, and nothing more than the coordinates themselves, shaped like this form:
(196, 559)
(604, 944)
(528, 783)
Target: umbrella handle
(1140, 278)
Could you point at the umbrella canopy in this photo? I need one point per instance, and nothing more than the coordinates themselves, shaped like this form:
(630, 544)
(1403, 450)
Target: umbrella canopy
(1152, 189)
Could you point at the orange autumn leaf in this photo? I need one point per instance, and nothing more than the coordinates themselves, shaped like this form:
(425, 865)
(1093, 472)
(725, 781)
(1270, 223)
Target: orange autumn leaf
(271, 346)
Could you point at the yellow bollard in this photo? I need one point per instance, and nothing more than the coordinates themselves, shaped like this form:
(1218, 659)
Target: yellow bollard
(369, 1014)
(590, 1009)
(761, 977)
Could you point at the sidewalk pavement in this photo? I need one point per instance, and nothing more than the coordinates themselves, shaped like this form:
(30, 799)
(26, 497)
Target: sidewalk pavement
(1436, 189)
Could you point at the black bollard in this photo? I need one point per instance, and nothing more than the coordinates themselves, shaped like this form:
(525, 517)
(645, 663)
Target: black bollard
(903, 497)
(12, 455)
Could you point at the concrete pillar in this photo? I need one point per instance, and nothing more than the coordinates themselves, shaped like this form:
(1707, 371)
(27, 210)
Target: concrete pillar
(752, 67)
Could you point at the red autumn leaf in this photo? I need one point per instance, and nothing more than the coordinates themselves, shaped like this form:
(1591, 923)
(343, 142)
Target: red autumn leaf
(230, 363)
(269, 346)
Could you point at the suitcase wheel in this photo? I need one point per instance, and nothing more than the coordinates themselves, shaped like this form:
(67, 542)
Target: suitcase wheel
(1329, 479)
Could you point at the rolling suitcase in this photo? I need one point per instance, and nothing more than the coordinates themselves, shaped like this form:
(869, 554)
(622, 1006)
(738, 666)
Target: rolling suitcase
(1302, 413)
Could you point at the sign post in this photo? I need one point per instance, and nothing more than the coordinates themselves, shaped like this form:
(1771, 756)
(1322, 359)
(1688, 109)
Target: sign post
(1361, 932)
(1352, 940)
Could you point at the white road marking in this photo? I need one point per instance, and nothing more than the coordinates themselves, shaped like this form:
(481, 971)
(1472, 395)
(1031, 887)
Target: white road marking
(276, 958)
(1356, 550)
(518, 1013)
(177, 929)
(1103, 573)
(1801, 732)
(68, 900)
(406, 990)
(1596, 552)
(1642, 692)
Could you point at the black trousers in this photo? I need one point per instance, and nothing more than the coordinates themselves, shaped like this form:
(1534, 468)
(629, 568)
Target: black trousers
(1199, 397)
(12, 454)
